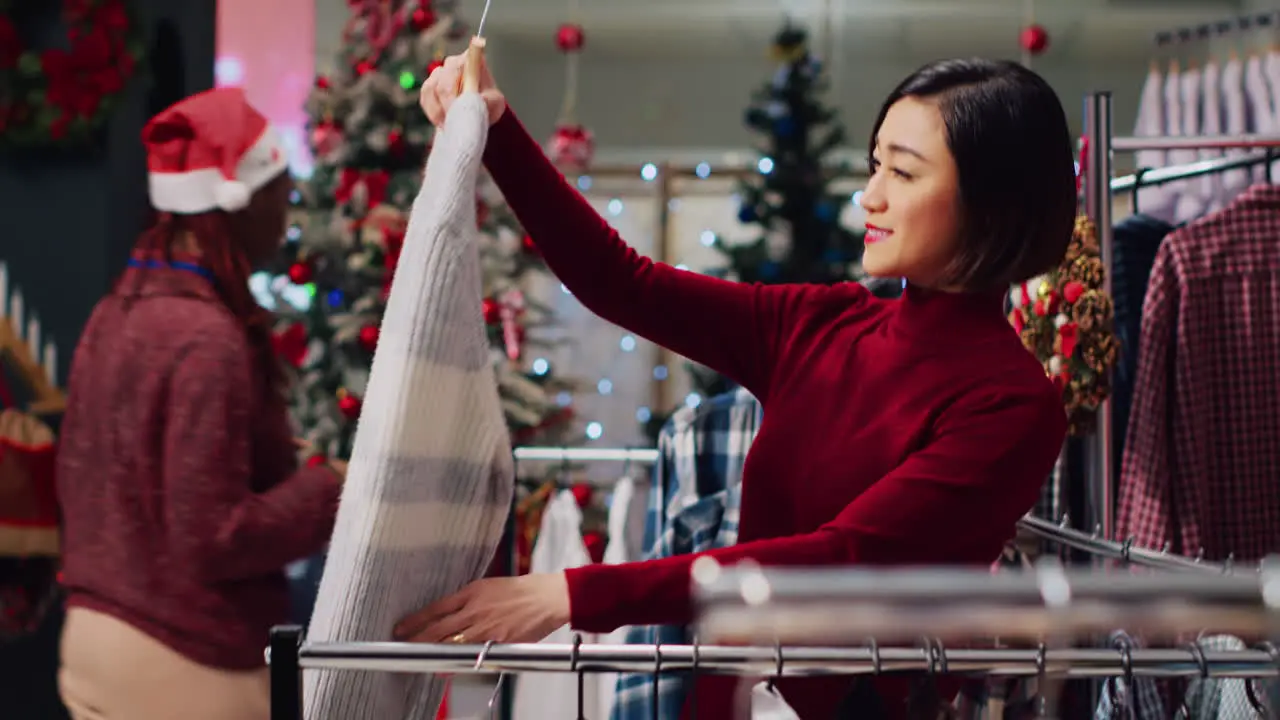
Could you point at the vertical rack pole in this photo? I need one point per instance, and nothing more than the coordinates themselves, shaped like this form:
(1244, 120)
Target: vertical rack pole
(1100, 472)
(286, 672)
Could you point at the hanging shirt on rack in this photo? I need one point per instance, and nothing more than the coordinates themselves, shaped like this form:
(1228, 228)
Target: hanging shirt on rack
(1209, 188)
(693, 506)
(554, 696)
(1257, 94)
(625, 517)
(1157, 200)
(1136, 240)
(1191, 203)
(1236, 116)
(1203, 448)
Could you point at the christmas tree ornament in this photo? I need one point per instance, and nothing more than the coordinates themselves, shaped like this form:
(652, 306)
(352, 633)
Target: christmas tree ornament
(1034, 39)
(570, 38)
(422, 19)
(492, 310)
(348, 404)
(572, 147)
(301, 272)
(369, 337)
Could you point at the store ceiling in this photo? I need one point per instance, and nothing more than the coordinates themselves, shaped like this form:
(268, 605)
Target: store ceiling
(866, 28)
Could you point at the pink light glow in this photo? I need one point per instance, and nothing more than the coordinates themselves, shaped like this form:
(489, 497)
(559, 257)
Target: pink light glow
(268, 48)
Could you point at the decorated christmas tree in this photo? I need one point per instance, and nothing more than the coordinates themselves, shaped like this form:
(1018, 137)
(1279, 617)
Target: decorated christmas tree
(369, 139)
(789, 198)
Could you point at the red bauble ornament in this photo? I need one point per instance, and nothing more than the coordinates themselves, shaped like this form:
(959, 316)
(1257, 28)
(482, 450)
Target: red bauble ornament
(422, 19)
(364, 67)
(396, 142)
(492, 311)
(316, 460)
(595, 543)
(572, 146)
(300, 273)
(349, 406)
(369, 337)
(431, 66)
(529, 245)
(582, 493)
(570, 38)
(322, 82)
(1034, 39)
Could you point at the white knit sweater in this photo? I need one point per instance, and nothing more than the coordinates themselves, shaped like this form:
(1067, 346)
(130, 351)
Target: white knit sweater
(430, 480)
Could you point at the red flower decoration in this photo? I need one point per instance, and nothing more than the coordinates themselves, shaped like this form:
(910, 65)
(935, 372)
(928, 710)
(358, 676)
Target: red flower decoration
(1068, 335)
(570, 38)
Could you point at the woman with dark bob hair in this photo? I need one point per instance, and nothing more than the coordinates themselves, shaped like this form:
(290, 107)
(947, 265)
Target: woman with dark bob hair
(896, 432)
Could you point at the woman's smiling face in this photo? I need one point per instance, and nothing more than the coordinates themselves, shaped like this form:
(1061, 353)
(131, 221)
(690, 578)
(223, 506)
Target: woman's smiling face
(912, 201)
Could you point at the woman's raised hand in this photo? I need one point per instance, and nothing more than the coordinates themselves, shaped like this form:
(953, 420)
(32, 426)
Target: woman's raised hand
(442, 88)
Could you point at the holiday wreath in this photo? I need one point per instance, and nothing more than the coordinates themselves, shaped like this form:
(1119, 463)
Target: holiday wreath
(1065, 319)
(60, 95)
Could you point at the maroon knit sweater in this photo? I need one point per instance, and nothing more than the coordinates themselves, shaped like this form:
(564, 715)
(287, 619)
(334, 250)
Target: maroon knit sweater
(177, 478)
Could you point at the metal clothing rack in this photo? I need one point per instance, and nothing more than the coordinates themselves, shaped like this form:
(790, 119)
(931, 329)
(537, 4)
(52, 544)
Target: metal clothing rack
(908, 604)
(1126, 552)
(747, 604)
(1099, 185)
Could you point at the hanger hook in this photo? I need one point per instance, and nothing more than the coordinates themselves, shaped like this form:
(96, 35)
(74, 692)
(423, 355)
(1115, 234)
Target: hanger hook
(573, 668)
(876, 665)
(1042, 672)
(777, 670)
(626, 461)
(657, 680)
(693, 686)
(1126, 550)
(1250, 685)
(940, 652)
(492, 705)
(1137, 185)
(1126, 666)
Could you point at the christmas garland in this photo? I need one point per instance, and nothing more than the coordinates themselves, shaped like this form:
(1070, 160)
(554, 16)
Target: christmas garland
(1065, 319)
(61, 95)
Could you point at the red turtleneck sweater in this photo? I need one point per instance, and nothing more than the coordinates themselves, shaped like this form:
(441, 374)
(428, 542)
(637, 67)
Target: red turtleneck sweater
(913, 431)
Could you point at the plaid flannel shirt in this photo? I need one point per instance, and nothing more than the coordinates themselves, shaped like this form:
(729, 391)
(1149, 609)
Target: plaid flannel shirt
(693, 506)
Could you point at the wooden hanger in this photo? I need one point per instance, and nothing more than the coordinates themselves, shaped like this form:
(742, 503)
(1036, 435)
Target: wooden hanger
(49, 399)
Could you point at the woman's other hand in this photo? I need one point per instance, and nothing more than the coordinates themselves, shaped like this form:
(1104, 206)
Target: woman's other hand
(442, 86)
(504, 610)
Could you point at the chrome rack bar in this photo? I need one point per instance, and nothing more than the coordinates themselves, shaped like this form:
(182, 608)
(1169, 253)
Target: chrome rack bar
(1100, 446)
(569, 454)
(1125, 552)
(1195, 142)
(747, 604)
(1172, 173)
(795, 661)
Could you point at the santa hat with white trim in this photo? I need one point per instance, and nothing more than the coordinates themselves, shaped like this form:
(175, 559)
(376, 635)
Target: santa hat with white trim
(210, 151)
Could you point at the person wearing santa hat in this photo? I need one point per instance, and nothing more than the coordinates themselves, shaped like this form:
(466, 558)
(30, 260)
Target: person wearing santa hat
(177, 471)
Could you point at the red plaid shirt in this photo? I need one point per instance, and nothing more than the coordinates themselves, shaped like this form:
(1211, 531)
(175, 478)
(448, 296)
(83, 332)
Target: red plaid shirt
(1201, 466)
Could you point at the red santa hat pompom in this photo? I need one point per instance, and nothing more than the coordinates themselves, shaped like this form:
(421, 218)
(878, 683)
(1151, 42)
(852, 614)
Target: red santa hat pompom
(210, 151)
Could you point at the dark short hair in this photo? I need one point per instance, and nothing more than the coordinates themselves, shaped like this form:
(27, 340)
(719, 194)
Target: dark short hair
(1014, 155)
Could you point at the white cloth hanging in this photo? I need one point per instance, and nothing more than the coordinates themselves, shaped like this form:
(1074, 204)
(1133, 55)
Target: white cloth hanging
(767, 704)
(1236, 116)
(1258, 98)
(626, 533)
(1271, 71)
(1190, 203)
(1210, 186)
(559, 547)
(1154, 200)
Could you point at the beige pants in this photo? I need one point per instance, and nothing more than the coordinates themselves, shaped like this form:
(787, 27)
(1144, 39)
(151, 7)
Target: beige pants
(112, 671)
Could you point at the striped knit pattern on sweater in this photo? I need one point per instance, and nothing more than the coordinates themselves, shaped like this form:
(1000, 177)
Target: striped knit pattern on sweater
(431, 475)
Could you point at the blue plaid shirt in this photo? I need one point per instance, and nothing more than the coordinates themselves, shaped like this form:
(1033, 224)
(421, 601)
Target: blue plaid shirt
(693, 506)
